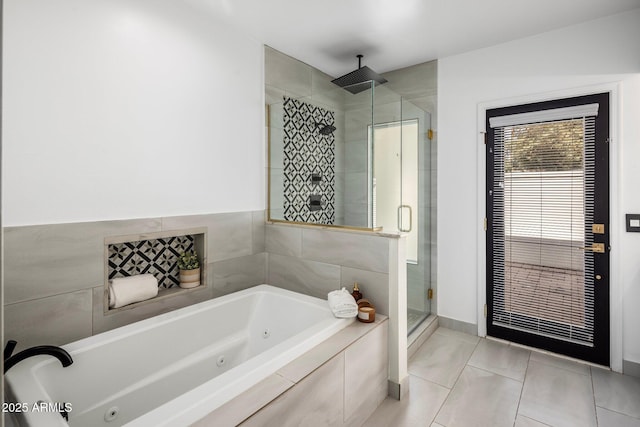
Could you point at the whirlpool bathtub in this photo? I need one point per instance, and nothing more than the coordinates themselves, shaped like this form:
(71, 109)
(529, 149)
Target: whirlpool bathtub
(173, 369)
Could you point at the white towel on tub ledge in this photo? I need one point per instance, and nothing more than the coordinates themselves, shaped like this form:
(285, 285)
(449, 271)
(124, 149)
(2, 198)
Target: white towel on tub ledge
(127, 290)
(342, 304)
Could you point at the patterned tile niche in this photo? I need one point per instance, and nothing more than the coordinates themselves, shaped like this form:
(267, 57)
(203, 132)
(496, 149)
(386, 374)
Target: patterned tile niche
(157, 256)
(307, 152)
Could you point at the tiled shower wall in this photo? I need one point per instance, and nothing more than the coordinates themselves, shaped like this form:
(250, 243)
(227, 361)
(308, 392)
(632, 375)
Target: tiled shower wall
(307, 151)
(53, 283)
(287, 77)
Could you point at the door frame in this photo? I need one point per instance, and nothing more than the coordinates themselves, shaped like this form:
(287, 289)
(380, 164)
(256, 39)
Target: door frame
(615, 283)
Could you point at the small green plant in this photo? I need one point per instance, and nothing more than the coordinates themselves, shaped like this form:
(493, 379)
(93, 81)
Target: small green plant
(188, 261)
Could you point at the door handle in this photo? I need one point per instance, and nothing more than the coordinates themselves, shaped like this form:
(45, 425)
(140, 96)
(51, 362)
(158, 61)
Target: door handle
(407, 230)
(596, 247)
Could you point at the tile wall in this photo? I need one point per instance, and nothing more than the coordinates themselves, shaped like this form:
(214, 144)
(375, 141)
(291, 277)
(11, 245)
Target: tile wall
(417, 85)
(53, 274)
(287, 77)
(316, 261)
(307, 151)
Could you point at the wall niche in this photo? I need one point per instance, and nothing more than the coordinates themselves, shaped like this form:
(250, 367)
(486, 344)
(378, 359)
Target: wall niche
(153, 253)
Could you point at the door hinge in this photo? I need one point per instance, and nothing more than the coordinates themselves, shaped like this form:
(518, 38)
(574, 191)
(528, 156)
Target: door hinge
(485, 224)
(430, 134)
(485, 310)
(430, 294)
(485, 138)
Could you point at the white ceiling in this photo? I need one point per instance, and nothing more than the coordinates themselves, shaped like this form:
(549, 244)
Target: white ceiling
(392, 34)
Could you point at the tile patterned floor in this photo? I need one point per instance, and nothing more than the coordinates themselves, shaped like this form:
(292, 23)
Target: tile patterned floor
(458, 380)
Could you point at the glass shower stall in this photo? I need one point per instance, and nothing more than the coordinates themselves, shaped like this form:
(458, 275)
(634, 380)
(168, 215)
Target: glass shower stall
(358, 160)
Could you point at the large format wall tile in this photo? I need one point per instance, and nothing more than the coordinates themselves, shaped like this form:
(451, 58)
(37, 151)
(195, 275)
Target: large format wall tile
(287, 73)
(234, 412)
(346, 249)
(284, 240)
(258, 231)
(356, 158)
(365, 376)
(45, 260)
(47, 265)
(238, 273)
(230, 234)
(374, 286)
(317, 400)
(356, 187)
(325, 92)
(355, 214)
(415, 81)
(55, 320)
(308, 277)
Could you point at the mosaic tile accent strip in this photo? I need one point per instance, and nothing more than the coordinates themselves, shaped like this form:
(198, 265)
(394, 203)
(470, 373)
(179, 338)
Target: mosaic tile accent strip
(307, 151)
(158, 257)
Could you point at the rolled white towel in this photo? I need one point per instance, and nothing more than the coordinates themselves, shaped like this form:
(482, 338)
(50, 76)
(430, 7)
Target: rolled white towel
(127, 290)
(342, 303)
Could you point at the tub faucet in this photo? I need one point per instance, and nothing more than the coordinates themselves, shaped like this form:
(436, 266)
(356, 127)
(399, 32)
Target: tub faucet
(57, 352)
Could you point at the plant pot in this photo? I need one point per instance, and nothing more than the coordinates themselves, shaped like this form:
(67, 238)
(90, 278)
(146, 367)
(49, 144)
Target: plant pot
(190, 278)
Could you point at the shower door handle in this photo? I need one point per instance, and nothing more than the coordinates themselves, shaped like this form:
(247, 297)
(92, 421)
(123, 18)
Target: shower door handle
(404, 230)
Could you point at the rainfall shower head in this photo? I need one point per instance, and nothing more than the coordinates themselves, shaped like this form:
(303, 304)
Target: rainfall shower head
(360, 79)
(325, 129)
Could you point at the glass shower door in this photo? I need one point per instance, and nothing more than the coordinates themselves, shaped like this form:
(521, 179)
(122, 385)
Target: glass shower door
(401, 192)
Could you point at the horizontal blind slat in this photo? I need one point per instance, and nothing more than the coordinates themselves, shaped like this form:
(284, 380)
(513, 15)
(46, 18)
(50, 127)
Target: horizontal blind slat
(542, 199)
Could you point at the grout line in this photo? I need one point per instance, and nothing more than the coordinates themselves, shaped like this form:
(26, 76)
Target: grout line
(593, 395)
(456, 381)
(522, 389)
(557, 355)
(615, 412)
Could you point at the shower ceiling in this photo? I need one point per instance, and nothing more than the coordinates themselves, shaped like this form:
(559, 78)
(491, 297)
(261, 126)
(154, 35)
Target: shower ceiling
(393, 34)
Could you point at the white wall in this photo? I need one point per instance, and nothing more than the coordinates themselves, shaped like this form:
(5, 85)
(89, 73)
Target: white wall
(598, 52)
(127, 109)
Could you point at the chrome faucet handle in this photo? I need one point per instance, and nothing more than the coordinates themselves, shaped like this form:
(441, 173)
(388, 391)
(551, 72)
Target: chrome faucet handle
(8, 349)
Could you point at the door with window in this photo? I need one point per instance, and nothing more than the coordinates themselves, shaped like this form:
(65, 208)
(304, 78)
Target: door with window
(548, 225)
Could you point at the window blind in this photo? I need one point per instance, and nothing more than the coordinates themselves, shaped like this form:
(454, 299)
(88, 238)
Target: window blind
(543, 203)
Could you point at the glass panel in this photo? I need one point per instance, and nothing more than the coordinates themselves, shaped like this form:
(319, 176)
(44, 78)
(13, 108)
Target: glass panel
(319, 156)
(542, 195)
(401, 193)
(416, 192)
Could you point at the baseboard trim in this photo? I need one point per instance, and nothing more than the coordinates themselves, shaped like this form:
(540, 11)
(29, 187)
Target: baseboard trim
(458, 325)
(398, 391)
(420, 335)
(631, 368)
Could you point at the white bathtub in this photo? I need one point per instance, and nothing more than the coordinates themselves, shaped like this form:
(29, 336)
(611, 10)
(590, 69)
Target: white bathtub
(173, 369)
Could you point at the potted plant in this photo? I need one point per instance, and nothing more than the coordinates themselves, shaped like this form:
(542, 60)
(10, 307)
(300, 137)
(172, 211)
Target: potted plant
(189, 269)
